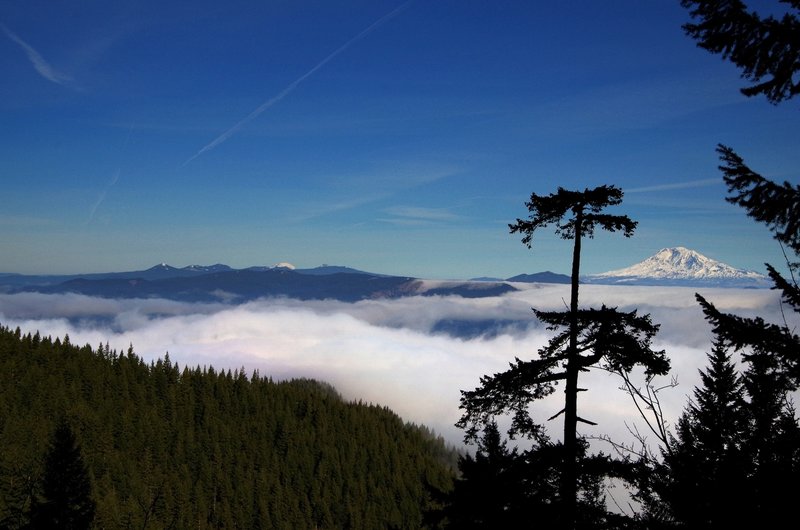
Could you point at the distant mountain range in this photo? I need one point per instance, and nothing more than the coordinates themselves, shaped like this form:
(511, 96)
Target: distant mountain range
(221, 283)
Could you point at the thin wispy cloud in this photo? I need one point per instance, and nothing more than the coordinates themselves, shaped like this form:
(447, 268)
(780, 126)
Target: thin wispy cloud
(44, 68)
(102, 196)
(371, 186)
(675, 186)
(114, 179)
(417, 215)
(294, 84)
(310, 211)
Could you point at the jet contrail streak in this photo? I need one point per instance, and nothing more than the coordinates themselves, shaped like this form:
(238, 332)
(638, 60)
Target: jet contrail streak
(286, 91)
(102, 197)
(39, 64)
(676, 185)
(114, 179)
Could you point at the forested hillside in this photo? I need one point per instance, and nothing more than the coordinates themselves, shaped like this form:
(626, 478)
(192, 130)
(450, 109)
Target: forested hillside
(177, 447)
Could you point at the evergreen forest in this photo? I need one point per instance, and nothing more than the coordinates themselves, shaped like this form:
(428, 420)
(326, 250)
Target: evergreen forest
(138, 445)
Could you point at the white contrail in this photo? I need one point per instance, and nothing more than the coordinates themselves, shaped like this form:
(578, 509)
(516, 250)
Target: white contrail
(114, 179)
(286, 91)
(676, 186)
(102, 196)
(41, 66)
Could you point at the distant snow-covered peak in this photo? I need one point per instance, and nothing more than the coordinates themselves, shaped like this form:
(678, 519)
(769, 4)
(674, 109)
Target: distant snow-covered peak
(162, 267)
(218, 267)
(680, 264)
(284, 265)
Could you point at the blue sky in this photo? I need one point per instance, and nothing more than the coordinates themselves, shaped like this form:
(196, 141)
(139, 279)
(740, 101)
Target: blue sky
(391, 137)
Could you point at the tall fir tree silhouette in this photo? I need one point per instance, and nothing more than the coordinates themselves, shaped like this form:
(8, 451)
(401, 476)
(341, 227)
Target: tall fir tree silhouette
(65, 500)
(604, 337)
(707, 463)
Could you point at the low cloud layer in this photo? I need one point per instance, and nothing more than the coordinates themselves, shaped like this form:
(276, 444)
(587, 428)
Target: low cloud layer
(390, 352)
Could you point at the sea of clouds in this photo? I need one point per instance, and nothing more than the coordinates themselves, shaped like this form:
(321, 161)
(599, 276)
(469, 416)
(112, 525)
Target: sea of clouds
(396, 352)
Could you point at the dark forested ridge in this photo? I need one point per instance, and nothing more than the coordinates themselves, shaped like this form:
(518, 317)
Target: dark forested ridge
(220, 283)
(170, 447)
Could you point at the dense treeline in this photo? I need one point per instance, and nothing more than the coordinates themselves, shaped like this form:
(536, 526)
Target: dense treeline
(170, 447)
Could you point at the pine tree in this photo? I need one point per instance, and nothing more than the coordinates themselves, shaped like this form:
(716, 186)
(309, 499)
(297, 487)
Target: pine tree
(735, 457)
(765, 48)
(773, 462)
(603, 337)
(707, 461)
(491, 490)
(65, 500)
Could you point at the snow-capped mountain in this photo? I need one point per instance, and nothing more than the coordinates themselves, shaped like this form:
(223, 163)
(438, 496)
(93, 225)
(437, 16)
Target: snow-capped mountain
(219, 267)
(681, 266)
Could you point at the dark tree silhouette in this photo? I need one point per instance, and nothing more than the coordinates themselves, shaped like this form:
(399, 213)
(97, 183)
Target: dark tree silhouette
(735, 455)
(764, 462)
(492, 490)
(606, 338)
(766, 49)
(707, 463)
(776, 205)
(762, 48)
(66, 491)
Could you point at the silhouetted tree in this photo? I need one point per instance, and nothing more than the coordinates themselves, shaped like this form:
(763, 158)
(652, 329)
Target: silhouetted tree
(491, 491)
(762, 462)
(764, 48)
(707, 463)
(65, 500)
(604, 337)
(735, 456)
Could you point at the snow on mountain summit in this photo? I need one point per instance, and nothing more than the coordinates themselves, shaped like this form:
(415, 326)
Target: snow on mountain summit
(680, 264)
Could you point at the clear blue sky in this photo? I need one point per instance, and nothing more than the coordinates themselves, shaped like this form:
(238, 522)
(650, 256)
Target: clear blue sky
(392, 137)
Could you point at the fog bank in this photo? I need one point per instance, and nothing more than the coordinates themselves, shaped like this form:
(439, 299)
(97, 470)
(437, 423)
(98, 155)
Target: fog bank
(392, 352)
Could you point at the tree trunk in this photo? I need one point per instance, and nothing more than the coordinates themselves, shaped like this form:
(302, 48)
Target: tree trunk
(569, 473)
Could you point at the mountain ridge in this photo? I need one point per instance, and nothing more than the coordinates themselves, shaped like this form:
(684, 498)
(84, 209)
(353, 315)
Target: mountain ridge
(223, 284)
(675, 266)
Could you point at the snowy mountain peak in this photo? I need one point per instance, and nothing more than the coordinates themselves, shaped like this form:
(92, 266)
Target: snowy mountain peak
(218, 267)
(680, 264)
(162, 267)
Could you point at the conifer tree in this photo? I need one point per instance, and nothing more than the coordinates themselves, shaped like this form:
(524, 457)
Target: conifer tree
(735, 457)
(707, 462)
(767, 50)
(605, 337)
(764, 48)
(491, 491)
(65, 500)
